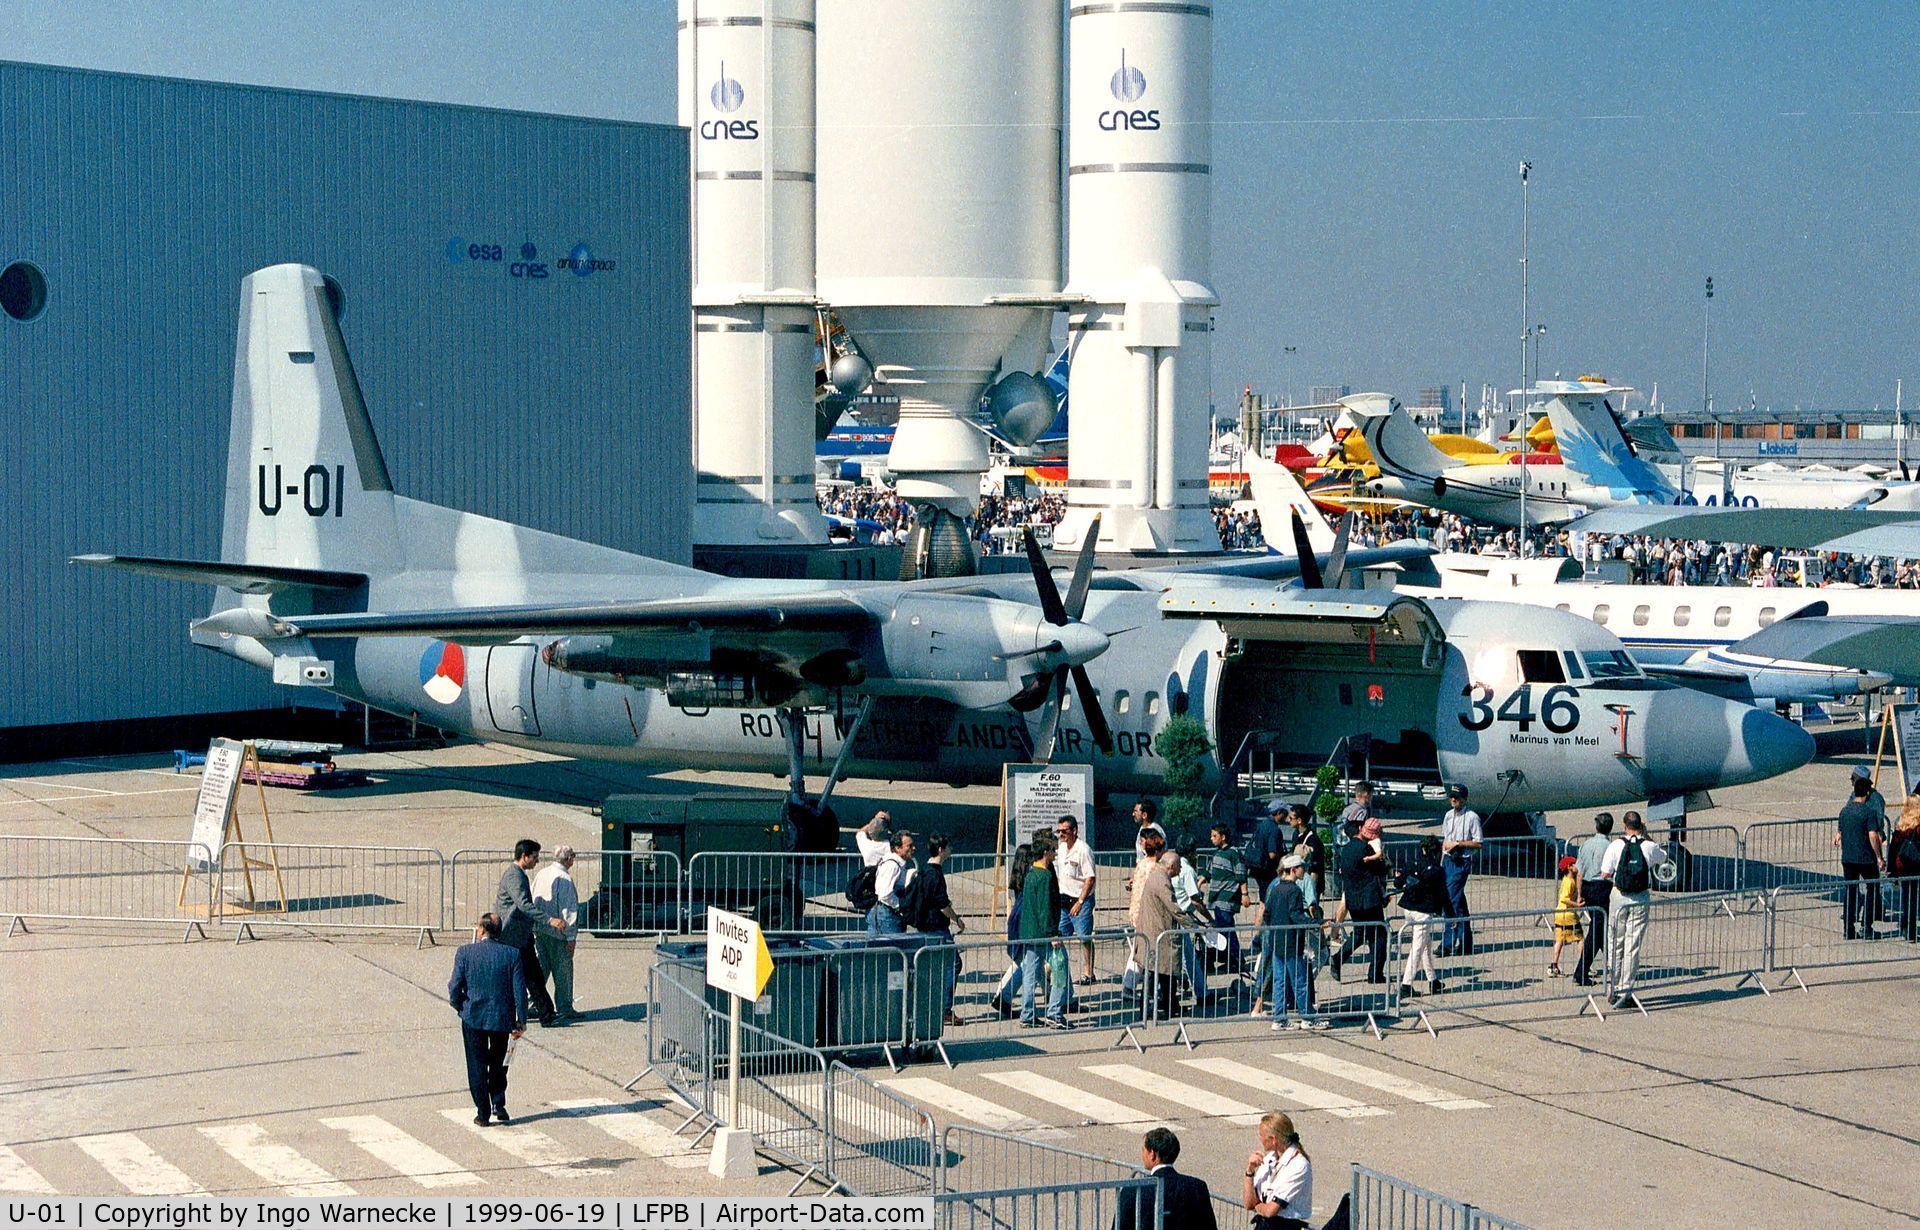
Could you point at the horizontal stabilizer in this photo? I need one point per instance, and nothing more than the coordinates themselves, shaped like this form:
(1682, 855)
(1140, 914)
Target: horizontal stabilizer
(244, 578)
(1887, 644)
(770, 614)
(1721, 681)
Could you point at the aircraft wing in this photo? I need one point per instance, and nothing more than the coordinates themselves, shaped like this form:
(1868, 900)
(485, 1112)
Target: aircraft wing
(1308, 615)
(1889, 644)
(1863, 531)
(1720, 681)
(748, 614)
(1274, 567)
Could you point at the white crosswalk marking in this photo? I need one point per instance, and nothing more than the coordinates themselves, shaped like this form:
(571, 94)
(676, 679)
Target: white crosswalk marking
(1193, 1097)
(1079, 1101)
(529, 1145)
(630, 1127)
(1281, 1089)
(978, 1110)
(136, 1167)
(1386, 1082)
(413, 1158)
(18, 1177)
(277, 1163)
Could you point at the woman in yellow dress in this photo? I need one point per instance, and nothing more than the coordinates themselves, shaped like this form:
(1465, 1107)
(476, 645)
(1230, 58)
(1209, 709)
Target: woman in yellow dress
(1566, 919)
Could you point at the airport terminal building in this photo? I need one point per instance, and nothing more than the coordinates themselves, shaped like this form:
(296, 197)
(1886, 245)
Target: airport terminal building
(515, 293)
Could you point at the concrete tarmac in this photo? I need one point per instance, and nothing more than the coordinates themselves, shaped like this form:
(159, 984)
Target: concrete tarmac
(317, 1062)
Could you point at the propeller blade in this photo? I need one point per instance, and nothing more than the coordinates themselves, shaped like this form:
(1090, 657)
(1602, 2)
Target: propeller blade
(1337, 558)
(1034, 692)
(1049, 731)
(1303, 549)
(1090, 701)
(1050, 604)
(1083, 571)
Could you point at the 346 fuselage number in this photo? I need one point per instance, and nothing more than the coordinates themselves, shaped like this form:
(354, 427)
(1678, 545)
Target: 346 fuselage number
(1558, 712)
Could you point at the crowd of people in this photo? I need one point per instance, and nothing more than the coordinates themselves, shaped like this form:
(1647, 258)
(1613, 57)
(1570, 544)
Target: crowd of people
(1657, 561)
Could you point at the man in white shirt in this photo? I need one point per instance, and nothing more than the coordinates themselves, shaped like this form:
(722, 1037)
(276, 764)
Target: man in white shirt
(887, 917)
(871, 839)
(1460, 838)
(1144, 813)
(553, 889)
(1632, 877)
(1073, 869)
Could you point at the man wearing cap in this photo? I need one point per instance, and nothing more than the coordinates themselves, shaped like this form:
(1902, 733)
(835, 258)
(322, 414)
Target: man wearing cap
(1460, 838)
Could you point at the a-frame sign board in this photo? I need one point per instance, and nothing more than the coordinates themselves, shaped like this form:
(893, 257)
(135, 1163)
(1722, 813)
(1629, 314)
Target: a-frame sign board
(216, 824)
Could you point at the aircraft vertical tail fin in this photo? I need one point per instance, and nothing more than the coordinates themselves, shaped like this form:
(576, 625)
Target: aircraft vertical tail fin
(307, 485)
(1595, 449)
(1398, 445)
(1275, 492)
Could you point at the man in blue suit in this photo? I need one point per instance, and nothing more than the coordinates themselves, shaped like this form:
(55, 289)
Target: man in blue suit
(489, 991)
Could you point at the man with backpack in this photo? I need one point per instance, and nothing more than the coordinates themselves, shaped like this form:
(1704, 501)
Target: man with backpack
(1629, 864)
(887, 914)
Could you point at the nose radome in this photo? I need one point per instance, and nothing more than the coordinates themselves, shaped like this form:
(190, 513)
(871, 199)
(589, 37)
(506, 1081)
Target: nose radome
(1695, 741)
(1773, 745)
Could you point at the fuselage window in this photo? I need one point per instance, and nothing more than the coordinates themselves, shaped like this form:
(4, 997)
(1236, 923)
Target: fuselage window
(1640, 614)
(1122, 702)
(1541, 666)
(1722, 616)
(1153, 703)
(1600, 614)
(1682, 615)
(1564, 606)
(1767, 615)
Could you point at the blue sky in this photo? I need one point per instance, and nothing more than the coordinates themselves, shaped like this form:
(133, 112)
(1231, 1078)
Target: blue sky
(1365, 168)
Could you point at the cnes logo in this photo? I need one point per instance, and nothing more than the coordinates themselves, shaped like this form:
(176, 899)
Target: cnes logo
(1129, 85)
(728, 96)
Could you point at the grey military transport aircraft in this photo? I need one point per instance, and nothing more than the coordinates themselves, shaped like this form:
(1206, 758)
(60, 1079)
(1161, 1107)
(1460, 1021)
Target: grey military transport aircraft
(330, 579)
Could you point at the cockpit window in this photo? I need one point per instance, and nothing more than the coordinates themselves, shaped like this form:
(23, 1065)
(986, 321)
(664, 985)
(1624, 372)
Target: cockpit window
(1610, 664)
(1541, 666)
(1572, 660)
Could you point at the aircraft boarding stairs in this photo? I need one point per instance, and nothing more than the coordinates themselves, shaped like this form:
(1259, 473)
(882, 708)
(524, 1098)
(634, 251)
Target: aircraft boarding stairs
(1262, 769)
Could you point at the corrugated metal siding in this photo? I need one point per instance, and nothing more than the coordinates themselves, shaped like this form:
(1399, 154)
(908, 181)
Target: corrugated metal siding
(558, 403)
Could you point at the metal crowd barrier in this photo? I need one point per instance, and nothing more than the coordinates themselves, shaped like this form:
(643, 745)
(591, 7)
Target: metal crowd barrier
(622, 892)
(878, 1143)
(993, 1181)
(832, 997)
(1702, 858)
(1807, 926)
(988, 990)
(783, 892)
(1508, 873)
(1222, 1005)
(1779, 853)
(385, 888)
(1692, 939)
(1379, 1201)
(106, 879)
(1508, 963)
